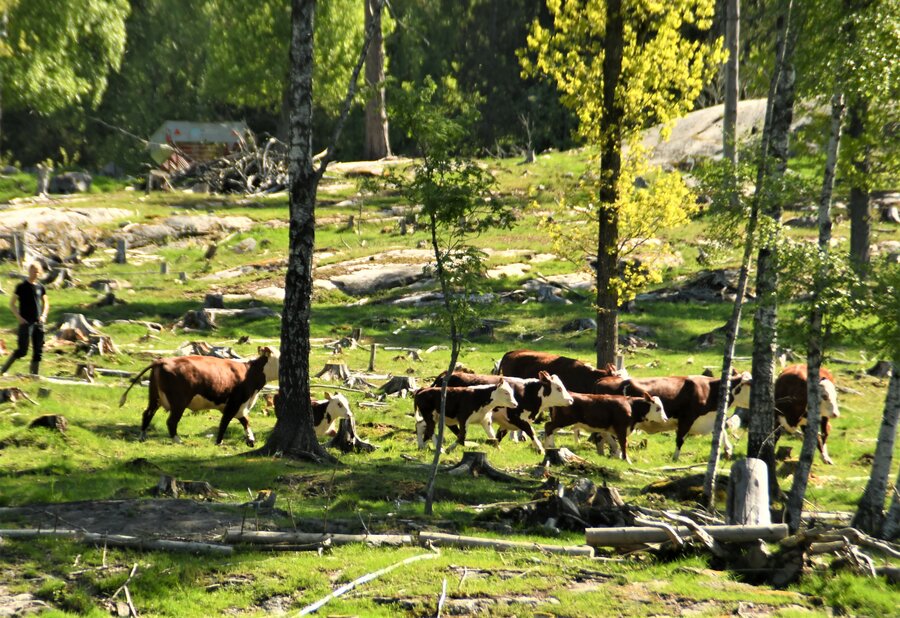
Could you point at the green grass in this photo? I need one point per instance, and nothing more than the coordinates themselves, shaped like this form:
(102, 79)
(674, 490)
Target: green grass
(93, 460)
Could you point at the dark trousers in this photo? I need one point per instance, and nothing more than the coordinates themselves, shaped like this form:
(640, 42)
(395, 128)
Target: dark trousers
(35, 332)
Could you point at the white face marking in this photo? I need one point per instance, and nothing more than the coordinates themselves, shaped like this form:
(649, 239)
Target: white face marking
(740, 393)
(558, 396)
(657, 414)
(503, 397)
(829, 405)
(338, 407)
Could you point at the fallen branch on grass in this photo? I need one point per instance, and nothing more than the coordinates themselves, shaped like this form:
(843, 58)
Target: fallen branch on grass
(120, 540)
(439, 538)
(626, 536)
(235, 535)
(362, 580)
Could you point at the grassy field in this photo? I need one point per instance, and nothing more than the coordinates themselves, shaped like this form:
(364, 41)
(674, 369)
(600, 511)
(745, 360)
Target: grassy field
(100, 457)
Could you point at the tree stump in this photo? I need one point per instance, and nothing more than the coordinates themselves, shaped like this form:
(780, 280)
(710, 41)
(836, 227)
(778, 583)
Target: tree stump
(475, 463)
(881, 369)
(334, 371)
(346, 439)
(400, 385)
(562, 457)
(211, 251)
(58, 277)
(121, 251)
(748, 494)
(372, 357)
(890, 214)
(51, 421)
(214, 301)
(200, 319)
(14, 394)
(164, 268)
(86, 371)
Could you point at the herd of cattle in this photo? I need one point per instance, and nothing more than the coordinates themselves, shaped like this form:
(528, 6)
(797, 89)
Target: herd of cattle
(526, 384)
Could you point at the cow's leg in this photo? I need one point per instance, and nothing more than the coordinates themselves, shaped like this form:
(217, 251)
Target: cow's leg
(230, 411)
(622, 435)
(823, 437)
(501, 433)
(152, 405)
(421, 428)
(175, 415)
(243, 417)
(729, 448)
(526, 428)
(684, 426)
(460, 433)
(549, 428)
(487, 423)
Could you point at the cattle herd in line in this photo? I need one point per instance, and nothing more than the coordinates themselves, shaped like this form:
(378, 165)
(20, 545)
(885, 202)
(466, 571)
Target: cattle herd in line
(525, 385)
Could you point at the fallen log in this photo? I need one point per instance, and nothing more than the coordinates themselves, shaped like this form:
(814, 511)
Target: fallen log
(236, 535)
(615, 537)
(120, 540)
(439, 538)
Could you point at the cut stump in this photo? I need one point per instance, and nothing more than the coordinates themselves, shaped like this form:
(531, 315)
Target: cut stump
(748, 493)
(475, 463)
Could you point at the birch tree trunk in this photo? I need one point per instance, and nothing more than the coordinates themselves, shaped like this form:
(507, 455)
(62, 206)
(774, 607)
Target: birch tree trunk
(293, 430)
(870, 513)
(860, 217)
(891, 528)
(815, 344)
(610, 171)
(378, 144)
(762, 395)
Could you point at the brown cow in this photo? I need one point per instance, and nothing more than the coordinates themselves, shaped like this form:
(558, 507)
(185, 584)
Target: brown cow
(690, 403)
(464, 405)
(206, 383)
(578, 377)
(533, 395)
(609, 415)
(791, 403)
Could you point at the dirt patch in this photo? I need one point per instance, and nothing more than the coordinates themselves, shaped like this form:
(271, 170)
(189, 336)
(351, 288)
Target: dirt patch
(19, 604)
(44, 217)
(175, 519)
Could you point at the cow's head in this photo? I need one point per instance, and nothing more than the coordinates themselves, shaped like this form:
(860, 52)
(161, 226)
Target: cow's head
(829, 404)
(740, 389)
(338, 407)
(503, 396)
(656, 414)
(270, 369)
(553, 393)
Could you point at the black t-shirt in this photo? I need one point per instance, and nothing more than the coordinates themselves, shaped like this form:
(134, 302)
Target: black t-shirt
(31, 300)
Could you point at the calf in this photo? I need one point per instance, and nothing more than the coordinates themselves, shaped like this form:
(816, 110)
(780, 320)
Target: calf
(690, 403)
(464, 405)
(608, 415)
(328, 413)
(533, 395)
(206, 383)
(791, 403)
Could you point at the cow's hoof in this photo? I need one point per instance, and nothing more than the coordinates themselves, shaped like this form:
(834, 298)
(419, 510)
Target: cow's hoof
(250, 442)
(143, 437)
(176, 440)
(828, 461)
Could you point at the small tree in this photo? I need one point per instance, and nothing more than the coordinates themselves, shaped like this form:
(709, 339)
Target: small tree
(454, 192)
(621, 65)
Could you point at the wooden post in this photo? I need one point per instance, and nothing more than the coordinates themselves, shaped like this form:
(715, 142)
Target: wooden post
(748, 493)
(19, 248)
(164, 268)
(182, 276)
(620, 362)
(121, 251)
(372, 357)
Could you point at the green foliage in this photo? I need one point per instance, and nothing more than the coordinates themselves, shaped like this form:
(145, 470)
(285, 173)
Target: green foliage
(58, 54)
(453, 190)
(248, 51)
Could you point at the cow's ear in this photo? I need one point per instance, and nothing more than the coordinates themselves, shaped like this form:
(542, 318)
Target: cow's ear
(265, 351)
(543, 375)
(648, 397)
(327, 396)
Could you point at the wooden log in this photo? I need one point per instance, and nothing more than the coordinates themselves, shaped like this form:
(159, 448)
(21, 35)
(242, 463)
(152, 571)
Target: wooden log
(671, 533)
(439, 538)
(121, 251)
(235, 535)
(120, 540)
(748, 493)
(616, 537)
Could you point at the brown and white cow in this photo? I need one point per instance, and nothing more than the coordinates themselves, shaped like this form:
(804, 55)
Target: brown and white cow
(327, 413)
(206, 383)
(791, 403)
(609, 415)
(690, 403)
(533, 395)
(579, 377)
(474, 404)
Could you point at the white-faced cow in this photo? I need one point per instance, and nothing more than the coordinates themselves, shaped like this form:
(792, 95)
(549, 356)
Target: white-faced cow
(206, 383)
(609, 415)
(465, 405)
(533, 395)
(690, 403)
(791, 400)
(329, 412)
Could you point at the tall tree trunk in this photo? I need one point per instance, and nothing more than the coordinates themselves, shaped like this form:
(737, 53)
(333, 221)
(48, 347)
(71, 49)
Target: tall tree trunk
(293, 432)
(870, 513)
(732, 85)
(294, 426)
(610, 171)
(762, 176)
(762, 396)
(860, 217)
(4, 23)
(378, 144)
(815, 344)
(891, 528)
(454, 355)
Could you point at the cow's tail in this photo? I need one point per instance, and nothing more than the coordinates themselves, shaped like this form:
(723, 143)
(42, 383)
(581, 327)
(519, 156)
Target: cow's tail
(134, 381)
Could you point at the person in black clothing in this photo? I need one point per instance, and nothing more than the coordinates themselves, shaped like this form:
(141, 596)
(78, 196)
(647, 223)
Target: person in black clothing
(30, 306)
